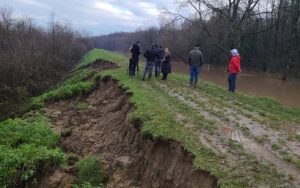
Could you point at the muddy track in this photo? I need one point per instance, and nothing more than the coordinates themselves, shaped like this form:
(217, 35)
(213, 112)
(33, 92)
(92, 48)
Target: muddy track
(130, 159)
(227, 130)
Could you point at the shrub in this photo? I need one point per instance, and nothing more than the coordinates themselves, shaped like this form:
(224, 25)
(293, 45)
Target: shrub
(25, 144)
(90, 172)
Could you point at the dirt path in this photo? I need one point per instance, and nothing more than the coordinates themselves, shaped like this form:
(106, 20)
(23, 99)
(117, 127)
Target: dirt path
(98, 124)
(239, 125)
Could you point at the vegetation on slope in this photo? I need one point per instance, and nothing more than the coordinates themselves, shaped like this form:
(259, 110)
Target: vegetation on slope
(163, 116)
(27, 146)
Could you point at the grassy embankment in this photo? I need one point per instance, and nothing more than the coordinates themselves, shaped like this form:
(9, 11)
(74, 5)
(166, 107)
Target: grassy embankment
(164, 116)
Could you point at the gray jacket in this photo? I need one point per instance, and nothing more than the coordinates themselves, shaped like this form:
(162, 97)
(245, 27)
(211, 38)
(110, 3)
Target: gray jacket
(195, 58)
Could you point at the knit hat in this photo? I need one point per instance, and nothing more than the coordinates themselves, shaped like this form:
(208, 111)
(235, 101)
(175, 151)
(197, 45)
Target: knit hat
(234, 52)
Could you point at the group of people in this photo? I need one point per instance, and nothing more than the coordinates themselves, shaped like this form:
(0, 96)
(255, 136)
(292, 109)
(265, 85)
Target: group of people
(155, 57)
(161, 61)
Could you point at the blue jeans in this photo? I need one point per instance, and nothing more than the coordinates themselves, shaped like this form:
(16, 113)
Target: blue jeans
(194, 73)
(158, 67)
(232, 81)
(148, 69)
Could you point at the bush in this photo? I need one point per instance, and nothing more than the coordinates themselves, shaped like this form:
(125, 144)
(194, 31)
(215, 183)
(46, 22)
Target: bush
(90, 172)
(26, 145)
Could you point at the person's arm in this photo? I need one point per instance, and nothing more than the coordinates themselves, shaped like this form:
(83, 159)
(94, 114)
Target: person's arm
(132, 49)
(201, 59)
(238, 66)
(146, 54)
(230, 62)
(168, 58)
(138, 50)
(189, 59)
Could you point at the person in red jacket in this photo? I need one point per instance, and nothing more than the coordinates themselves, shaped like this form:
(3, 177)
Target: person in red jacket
(234, 68)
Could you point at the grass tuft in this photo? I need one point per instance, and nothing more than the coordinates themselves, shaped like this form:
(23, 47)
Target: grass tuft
(25, 144)
(90, 172)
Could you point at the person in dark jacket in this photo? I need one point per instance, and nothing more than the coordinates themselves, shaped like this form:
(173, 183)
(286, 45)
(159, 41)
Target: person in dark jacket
(195, 61)
(166, 64)
(233, 69)
(158, 62)
(150, 56)
(135, 53)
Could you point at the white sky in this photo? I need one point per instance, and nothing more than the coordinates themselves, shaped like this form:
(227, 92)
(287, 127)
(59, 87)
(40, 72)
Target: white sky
(92, 16)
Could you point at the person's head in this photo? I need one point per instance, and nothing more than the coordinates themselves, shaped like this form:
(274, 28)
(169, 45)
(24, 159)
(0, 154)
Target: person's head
(138, 42)
(196, 46)
(153, 46)
(167, 51)
(234, 52)
(160, 47)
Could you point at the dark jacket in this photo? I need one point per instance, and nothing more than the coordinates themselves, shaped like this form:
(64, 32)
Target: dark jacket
(195, 58)
(160, 53)
(166, 65)
(135, 50)
(150, 55)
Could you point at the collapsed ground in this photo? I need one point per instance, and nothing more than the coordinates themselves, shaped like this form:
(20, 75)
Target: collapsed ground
(152, 134)
(99, 125)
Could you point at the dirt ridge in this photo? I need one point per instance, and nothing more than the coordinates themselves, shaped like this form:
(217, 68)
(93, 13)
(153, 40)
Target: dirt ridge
(130, 159)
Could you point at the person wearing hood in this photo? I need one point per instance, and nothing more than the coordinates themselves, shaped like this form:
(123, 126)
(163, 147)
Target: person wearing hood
(233, 69)
(195, 61)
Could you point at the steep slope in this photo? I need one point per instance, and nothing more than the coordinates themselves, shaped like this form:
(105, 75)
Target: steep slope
(164, 134)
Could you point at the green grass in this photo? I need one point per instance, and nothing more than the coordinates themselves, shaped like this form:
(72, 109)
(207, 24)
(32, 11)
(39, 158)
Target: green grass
(90, 173)
(95, 54)
(80, 82)
(297, 137)
(25, 146)
(82, 106)
(156, 111)
(262, 139)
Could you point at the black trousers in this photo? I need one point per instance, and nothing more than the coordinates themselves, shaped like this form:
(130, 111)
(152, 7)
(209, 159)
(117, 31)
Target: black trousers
(165, 76)
(132, 66)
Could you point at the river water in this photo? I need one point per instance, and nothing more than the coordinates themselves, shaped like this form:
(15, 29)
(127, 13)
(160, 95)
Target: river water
(286, 92)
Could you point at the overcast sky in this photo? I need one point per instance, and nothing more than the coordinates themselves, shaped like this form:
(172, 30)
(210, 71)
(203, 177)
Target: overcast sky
(93, 16)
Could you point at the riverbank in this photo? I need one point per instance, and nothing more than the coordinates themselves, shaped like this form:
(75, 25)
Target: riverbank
(286, 92)
(164, 131)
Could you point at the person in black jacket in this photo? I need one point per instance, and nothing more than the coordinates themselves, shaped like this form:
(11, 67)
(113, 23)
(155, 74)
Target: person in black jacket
(166, 64)
(150, 56)
(158, 62)
(135, 53)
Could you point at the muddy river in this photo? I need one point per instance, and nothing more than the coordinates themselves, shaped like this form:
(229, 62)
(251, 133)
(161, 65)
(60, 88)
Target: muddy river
(286, 92)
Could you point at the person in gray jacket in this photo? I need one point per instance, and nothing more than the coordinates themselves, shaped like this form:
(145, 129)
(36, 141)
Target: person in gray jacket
(195, 61)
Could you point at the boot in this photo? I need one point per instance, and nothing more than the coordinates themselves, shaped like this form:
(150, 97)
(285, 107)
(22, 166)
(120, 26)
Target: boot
(191, 83)
(195, 83)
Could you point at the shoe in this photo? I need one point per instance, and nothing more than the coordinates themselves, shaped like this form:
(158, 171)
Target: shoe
(191, 84)
(195, 83)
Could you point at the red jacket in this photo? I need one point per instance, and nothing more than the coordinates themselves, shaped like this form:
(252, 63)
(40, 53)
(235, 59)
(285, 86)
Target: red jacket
(234, 65)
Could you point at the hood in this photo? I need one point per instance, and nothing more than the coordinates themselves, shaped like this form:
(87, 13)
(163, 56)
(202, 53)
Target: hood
(234, 52)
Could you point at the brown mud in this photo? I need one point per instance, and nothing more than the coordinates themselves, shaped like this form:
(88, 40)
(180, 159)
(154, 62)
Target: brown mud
(228, 130)
(130, 159)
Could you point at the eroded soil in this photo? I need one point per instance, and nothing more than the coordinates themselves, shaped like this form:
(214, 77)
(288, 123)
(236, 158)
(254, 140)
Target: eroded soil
(102, 128)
